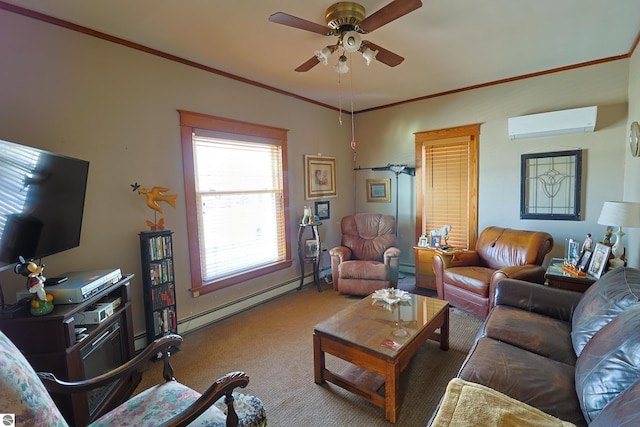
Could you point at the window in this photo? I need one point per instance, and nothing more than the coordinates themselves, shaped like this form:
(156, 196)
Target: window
(236, 200)
(447, 183)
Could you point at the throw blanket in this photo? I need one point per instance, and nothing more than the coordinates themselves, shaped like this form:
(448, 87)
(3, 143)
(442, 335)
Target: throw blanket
(467, 404)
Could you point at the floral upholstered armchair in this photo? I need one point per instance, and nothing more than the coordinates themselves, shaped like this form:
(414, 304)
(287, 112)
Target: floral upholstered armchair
(368, 258)
(23, 392)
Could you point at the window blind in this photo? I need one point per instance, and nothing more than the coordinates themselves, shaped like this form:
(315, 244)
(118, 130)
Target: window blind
(240, 202)
(446, 187)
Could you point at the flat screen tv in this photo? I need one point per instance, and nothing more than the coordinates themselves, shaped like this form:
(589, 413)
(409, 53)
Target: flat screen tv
(42, 198)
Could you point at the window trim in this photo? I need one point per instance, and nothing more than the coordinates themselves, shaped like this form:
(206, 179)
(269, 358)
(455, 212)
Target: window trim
(188, 121)
(473, 132)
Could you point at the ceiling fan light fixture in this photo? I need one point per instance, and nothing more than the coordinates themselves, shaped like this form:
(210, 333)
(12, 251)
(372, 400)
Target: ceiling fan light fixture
(341, 67)
(323, 55)
(351, 41)
(369, 55)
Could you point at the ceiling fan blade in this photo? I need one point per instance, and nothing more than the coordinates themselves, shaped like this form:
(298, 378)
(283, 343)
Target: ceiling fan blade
(388, 13)
(385, 56)
(312, 62)
(302, 24)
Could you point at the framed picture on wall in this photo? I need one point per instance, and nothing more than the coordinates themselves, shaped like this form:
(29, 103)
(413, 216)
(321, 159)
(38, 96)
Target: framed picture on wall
(322, 210)
(550, 185)
(378, 190)
(319, 177)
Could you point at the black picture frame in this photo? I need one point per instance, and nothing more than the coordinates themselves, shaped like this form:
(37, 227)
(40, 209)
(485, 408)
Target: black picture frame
(583, 261)
(551, 185)
(323, 210)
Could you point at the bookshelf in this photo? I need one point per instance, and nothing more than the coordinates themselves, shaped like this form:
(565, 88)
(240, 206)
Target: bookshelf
(158, 284)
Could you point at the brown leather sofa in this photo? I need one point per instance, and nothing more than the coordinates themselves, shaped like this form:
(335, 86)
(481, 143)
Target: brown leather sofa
(368, 258)
(468, 280)
(571, 355)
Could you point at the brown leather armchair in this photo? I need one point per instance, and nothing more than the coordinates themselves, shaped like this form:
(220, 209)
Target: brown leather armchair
(368, 259)
(468, 280)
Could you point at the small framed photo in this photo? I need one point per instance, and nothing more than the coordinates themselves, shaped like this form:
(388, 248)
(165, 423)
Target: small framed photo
(310, 248)
(322, 210)
(435, 240)
(573, 251)
(583, 262)
(378, 190)
(599, 260)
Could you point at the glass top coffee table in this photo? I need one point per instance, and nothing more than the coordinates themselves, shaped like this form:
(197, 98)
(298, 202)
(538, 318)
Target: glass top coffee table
(379, 341)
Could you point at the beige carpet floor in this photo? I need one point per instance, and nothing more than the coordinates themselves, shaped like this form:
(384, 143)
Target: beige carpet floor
(273, 344)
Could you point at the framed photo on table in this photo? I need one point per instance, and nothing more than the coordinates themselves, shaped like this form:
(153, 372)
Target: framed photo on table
(310, 248)
(583, 262)
(322, 210)
(319, 177)
(378, 190)
(599, 260)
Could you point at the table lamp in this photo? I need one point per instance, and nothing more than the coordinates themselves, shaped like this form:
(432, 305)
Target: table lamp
(620, 214)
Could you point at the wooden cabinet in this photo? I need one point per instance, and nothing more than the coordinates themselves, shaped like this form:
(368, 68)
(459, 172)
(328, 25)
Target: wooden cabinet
(50, 344)
(424, 267)
(158, 284)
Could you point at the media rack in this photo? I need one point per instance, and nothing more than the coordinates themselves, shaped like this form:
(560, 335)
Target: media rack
(158, 283)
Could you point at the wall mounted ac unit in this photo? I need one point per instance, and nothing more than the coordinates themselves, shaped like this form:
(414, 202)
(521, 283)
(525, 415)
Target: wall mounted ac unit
(576, 120)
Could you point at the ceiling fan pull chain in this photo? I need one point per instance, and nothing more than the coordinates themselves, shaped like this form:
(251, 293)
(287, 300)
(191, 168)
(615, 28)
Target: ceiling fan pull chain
(339, 101)
(353, 130)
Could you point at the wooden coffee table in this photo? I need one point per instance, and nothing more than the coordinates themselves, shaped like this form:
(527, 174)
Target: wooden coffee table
(366, 335)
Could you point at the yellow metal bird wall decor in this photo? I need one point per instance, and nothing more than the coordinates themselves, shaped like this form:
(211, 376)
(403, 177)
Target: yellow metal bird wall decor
(154, 196)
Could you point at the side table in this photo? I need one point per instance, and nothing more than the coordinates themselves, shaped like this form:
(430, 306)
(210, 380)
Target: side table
(309, 252)
(558, 278)
(425, 278)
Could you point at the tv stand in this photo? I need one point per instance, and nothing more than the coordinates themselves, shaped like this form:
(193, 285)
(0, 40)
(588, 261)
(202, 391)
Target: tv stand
(49, 343)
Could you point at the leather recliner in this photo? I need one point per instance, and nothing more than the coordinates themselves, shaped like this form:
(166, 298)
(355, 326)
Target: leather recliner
(468, 280)
(368, 258)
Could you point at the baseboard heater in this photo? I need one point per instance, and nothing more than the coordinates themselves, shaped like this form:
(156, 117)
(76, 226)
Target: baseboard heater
(576, 120)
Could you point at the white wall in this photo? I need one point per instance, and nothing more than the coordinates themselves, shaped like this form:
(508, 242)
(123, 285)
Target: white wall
(632, 164)
(117, 108)
(387, 135)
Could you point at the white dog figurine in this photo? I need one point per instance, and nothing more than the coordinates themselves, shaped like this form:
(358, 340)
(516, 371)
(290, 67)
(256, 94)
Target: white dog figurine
(444, 233)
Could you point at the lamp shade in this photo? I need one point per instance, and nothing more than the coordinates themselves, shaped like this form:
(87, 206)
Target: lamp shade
(620, 214)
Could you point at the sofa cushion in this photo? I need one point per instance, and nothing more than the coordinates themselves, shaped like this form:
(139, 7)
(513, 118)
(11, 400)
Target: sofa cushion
(533, 332)
(21, 391)
(622, 411)
(609, 363)
(157, 404)
(525, 376)
(371, 270)
(466, 404)
(602, 302)
(473, 278)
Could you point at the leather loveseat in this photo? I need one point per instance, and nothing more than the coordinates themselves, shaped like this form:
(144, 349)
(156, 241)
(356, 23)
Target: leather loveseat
(573, 356)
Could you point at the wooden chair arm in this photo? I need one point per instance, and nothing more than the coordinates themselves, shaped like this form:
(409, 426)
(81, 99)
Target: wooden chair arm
(223, 386)
(160, 348)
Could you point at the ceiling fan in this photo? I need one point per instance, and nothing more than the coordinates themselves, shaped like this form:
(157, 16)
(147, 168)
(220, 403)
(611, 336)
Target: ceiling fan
(347, 20)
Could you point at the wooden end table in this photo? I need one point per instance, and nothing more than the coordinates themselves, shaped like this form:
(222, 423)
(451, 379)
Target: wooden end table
(558, 278)
(364, 334)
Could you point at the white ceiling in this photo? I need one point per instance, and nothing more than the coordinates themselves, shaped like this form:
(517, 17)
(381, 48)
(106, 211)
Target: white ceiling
(447, 44)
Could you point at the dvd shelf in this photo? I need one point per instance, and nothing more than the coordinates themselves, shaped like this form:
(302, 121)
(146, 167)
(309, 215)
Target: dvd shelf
(156, 250)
